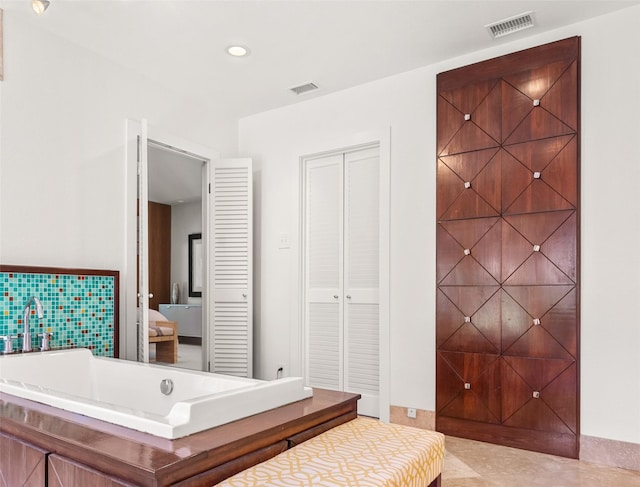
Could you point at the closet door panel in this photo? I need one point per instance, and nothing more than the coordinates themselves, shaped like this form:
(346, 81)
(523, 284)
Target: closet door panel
(324, 286)
(507, 250)
(362, 277)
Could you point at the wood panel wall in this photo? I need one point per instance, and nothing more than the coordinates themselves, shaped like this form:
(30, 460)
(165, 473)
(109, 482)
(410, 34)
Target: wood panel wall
(507, 321)
(159, 254)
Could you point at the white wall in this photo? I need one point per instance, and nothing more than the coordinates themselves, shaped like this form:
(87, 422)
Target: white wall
(63, 112)
(185, 220)
(610, 335)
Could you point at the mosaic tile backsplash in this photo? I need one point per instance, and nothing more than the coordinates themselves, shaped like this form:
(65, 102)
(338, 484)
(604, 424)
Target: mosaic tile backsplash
(78, 309)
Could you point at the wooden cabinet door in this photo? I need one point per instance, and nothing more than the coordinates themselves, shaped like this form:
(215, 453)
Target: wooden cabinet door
(64, 472)
(507, 250)
(21, 464)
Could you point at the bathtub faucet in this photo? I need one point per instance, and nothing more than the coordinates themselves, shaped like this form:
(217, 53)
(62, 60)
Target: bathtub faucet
(26, 334)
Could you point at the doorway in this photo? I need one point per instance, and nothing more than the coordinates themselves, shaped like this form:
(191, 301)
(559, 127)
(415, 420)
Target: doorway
(134, 340)
(175, 217)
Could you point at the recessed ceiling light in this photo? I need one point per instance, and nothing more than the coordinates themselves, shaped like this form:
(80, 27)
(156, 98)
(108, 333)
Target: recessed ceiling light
(238, 51)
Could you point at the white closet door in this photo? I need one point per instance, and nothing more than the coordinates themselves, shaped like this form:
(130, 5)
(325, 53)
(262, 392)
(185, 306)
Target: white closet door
(361, 278)
(230, 250)
(324, 235)
(342, 274)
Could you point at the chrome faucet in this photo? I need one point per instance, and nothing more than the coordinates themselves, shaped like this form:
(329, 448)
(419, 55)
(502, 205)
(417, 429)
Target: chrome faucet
(26, 334)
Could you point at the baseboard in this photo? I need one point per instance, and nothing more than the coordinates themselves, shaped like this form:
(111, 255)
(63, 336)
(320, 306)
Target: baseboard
(424, 419)
(613, 453)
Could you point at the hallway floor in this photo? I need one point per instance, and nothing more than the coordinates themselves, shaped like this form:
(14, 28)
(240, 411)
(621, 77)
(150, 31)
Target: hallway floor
(475, 464)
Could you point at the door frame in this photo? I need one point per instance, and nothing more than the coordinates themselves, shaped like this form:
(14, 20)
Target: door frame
(382, 138)
(128, 293)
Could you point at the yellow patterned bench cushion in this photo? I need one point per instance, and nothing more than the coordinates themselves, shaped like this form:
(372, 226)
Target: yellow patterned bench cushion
(362, 452)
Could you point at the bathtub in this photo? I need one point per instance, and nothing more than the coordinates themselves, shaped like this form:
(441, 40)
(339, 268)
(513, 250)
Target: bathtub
(133, 394)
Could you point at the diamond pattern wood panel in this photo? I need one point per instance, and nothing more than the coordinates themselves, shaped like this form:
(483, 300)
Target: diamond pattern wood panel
(507, 250)
(21, 464)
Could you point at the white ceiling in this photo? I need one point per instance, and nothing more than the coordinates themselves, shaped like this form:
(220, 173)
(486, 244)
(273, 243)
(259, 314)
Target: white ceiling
(173, 178)
(336, 44)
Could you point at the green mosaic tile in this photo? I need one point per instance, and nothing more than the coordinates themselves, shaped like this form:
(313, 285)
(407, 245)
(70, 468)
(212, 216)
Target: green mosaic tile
(78, 309)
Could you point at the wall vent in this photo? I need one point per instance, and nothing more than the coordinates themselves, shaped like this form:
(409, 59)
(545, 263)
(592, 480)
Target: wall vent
(511, 25)
(299, 90)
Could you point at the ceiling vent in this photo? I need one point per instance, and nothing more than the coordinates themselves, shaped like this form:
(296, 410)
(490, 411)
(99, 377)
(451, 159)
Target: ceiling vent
(511, 25)
(299, 90)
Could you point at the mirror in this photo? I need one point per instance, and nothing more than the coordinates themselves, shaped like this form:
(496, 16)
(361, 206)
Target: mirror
(174, 215)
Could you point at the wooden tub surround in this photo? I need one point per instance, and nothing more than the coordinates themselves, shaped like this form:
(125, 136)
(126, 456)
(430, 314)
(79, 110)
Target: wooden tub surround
(42, 445)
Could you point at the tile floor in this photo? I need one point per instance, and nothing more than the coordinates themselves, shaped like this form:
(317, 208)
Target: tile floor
(475, 464)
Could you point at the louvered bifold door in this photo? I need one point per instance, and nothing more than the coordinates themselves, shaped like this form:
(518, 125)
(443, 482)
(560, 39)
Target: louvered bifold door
(231, 334)
(361, 277)
(323, 276)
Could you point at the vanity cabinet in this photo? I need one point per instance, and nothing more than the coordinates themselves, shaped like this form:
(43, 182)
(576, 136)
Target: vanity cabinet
(21, 463)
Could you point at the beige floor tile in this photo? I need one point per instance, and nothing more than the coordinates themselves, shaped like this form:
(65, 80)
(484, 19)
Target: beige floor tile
(471, 463)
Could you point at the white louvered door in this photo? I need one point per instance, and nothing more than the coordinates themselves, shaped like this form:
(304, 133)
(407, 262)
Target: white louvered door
(230, 260)
(361, 278)
(342, 274)
(324, 262)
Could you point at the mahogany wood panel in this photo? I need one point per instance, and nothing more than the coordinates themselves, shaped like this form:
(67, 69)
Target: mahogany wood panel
(21, 464)
(507, 253)
(159, 254)
(63, 472)
(147, 460)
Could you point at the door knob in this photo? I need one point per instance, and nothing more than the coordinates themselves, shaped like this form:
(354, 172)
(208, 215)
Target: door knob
(150, 295)
(348, 296)
(335, 296)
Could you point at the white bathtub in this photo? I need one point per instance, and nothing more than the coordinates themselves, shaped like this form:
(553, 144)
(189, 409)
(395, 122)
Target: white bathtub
(129, 394)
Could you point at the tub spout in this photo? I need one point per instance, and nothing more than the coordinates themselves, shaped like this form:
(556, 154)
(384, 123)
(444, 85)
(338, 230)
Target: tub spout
(26, 334)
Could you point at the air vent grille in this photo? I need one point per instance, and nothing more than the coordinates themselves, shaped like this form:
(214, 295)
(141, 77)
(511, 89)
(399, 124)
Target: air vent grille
(511, 25)
(299, 90)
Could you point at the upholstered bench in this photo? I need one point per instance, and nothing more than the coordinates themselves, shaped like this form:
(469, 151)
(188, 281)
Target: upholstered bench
(362, 452)
(165, 335)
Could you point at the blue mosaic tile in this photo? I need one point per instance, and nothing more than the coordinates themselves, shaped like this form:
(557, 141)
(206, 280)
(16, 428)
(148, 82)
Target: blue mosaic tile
(78, 309)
